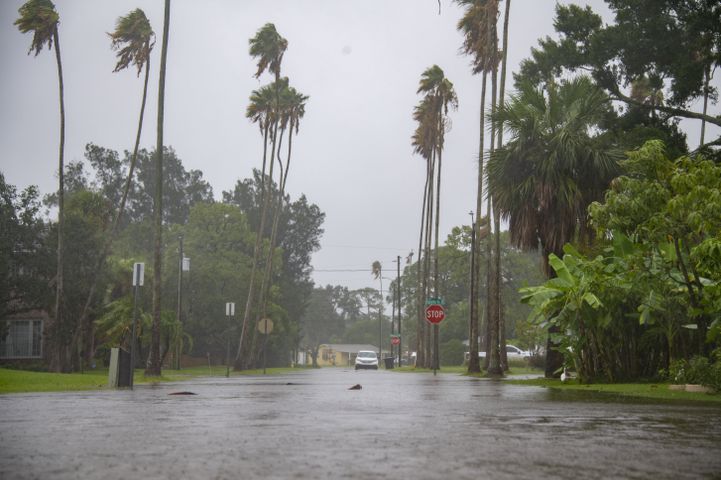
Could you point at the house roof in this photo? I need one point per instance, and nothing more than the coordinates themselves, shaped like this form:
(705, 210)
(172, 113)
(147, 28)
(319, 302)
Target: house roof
(349, 347)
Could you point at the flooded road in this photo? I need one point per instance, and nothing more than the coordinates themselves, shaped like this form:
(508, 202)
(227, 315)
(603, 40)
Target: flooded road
(309, 425)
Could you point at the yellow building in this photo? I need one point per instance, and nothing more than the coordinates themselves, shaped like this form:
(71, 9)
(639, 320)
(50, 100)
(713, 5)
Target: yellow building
(339, 354)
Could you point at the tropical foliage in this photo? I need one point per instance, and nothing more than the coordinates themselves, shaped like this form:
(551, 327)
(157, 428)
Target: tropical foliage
(651, 293)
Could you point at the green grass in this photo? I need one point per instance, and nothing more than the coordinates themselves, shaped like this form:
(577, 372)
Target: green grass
(650, 391)
(24, 381)
(463, 370)
(16, 381)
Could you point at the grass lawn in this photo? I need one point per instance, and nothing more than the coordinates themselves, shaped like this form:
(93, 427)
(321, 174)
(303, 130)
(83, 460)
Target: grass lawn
(650, 391)
(22, 381)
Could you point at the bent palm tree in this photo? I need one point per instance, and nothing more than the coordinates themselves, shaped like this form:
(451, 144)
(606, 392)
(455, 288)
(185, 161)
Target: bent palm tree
(268, 46)
(154, 359)
(133, 39)
(41, 18)
(547, 174)
(432, 115)
(292, 109)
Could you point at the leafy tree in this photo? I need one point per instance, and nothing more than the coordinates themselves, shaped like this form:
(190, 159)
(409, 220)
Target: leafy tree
(40, 17)
(24, 252)
(321, 322)
(218, 240)
(671, 205)
(667, 42)
(550, 170)
(651, 294)
(299, 230)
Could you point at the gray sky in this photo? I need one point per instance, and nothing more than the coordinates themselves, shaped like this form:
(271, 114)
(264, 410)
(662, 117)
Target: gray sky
(359, 61)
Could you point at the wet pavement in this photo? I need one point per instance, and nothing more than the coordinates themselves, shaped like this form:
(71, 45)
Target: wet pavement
(309, 425)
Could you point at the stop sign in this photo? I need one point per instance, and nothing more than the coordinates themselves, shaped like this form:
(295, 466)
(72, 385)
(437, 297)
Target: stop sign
(435, 313)
(395, 340)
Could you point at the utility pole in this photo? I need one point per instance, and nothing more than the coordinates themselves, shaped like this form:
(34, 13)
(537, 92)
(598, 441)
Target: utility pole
(398, 289)
(180, 299)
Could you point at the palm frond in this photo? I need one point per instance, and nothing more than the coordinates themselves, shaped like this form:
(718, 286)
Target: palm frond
(41, 18)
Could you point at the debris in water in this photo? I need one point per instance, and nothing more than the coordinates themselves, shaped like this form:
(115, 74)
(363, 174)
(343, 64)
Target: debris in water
(357, 386)
(182, 393)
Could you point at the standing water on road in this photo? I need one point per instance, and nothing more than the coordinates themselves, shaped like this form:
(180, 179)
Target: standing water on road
(310, 425)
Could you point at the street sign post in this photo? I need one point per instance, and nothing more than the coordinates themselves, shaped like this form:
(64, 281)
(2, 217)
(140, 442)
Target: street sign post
(435, 313)
(265, 326)
(138, 280)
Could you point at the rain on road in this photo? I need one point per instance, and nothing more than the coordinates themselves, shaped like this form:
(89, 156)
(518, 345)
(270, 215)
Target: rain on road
(309, 425)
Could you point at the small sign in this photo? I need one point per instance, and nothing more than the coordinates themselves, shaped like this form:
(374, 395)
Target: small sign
(186, 264)
(434, 301)
(435, 313)
(395, 340)
(230, 309)
(138, 274)
(265, 326)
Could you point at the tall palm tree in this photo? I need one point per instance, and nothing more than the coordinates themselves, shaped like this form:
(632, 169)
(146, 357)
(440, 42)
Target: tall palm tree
(377, 272)
(154, 359)
(496, 218)
(268, 47)
(133, 38)
(543, 179)
(291, 111)
(439, 98)
(40, 17)
(475, 26)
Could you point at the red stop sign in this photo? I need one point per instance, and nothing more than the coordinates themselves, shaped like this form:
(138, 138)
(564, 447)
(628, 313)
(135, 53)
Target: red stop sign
(435, 313)
(395, 340)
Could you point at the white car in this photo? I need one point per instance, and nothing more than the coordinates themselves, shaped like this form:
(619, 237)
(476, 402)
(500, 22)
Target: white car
(366, 359)
(512, 351)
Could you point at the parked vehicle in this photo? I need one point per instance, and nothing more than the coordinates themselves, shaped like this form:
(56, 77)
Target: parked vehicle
(366, 359)
(512, 352)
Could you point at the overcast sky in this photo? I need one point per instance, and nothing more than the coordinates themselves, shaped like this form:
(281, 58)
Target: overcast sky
(359, 61)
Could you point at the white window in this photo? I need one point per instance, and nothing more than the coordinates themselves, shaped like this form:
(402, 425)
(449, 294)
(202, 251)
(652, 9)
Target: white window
(23, 339)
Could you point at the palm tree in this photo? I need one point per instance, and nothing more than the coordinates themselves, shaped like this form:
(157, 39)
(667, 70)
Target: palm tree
(475, 27)
(268, 46)
(432, 114)
(40, 17)
(153, 366)
(291, 110)
(133, 38)
(377, 272)
(550, 170)
(496, 218)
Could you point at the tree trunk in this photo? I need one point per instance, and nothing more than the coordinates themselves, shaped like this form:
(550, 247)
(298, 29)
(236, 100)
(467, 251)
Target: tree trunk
(154, 361)
(242, 356)
(492, 350)
(60, 360)
(420, 275)
(497, 220)
(475, 328)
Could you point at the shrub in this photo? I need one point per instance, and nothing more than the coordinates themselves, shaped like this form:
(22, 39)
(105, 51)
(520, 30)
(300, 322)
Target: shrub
(699, 370)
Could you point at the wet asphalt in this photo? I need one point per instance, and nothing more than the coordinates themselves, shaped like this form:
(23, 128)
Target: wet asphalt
(309, 425)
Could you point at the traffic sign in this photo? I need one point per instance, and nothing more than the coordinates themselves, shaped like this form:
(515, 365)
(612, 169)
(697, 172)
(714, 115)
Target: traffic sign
(395, 340)
(435, 313)
(265, 326)
(434, 301)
